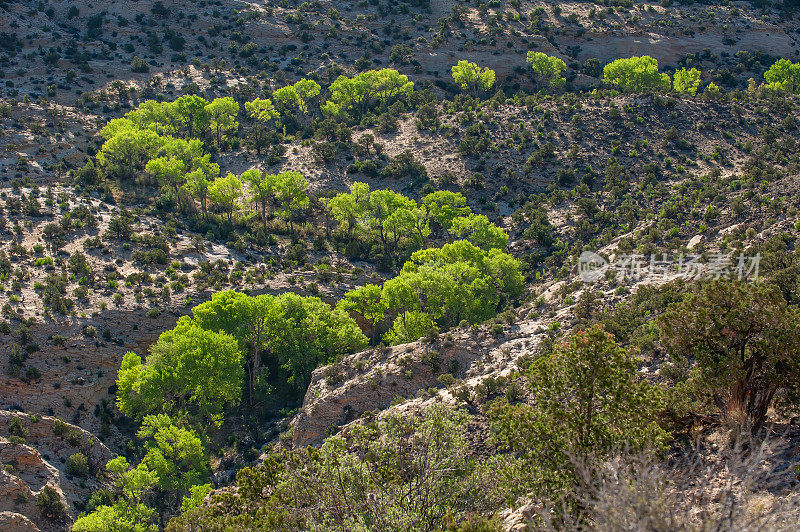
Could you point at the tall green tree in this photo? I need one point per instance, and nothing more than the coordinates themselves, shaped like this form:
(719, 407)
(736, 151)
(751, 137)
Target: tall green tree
(383, 206)
(127, 149)
(309, 333)
(358, 93)
(686, 80)
(122, 516)
(480, 231)
(262, 113)
(174, 455)
(293, 334)
(636, 74)
(190, 115)
(784, 75)
(351, 209)
(264, 190)
(222, 114)
(469, 76)
(443, 206)
(291, 195)
(407, 223)
(548, 69)
(410, 326)
(248, 320)
(296, 99)
(169, 172)
(190, 371)
(456, 282)
(174, 463)
(198, 182)
(366, 302)
(226, 192)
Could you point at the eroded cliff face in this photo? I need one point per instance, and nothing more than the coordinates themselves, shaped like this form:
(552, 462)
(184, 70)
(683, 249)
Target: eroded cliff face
(14, 522)
(76, 375)
(34, 453)
(377, 379)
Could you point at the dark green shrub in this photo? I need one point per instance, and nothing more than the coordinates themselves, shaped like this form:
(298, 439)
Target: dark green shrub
(78, 465)
(49, 503)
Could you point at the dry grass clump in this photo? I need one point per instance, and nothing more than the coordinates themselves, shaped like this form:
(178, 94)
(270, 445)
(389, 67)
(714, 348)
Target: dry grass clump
(746, 486)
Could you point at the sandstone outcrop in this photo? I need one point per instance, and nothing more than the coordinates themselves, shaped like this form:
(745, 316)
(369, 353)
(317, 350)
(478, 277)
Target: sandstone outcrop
(35, 456)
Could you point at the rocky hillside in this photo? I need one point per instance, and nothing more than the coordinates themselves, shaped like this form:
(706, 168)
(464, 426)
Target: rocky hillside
(157, 157)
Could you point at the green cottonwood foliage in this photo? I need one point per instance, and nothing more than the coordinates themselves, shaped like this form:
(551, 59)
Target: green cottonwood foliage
(281, 194)
(174, 464)
(399, 223)
(547, 68)
(295, 99)
(471, 77)
(198, 368)
(226, 191)
(190, 370)
(358, 93)
(288, 335)
(784, 75)
(686, 80)
(170, 131)
(636, 74)
(440, 287)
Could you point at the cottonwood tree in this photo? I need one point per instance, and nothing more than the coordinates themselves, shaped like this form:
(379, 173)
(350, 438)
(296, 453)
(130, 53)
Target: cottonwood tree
(294, 334)
(410, 326)
(296, 99)
(174, 465)
(366, 302)
(126, 149)
(262, 113)
(407, 223)
(443, 206)
(226, 192)
(198, 182)
(351, 209)
(291, 195)
(358, 93)
(393, 219)
(190, 115)
(784, 75)
(456, 282)
(547, 68)
(264, 188)
(247, 319)
(480, 231)
(176, 158)
(636, 74)
(190, 371)
(471, 77)
(222, 114)
(384, 208)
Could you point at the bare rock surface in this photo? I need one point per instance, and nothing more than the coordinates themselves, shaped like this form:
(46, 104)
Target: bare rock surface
(14, 522)
(38, 459)
(374, 380)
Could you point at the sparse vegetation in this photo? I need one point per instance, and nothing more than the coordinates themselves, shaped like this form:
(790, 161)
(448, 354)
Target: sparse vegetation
(400, 265)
